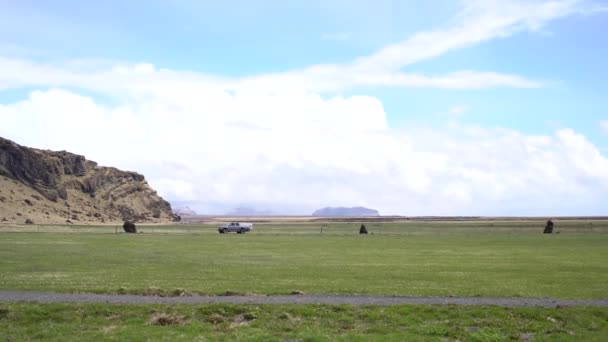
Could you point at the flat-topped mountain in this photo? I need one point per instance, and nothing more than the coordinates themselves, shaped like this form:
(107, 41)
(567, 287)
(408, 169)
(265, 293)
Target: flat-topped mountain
(58, 187)
(342, 211)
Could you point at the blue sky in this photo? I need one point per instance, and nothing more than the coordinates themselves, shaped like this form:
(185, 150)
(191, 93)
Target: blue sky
(532, 68)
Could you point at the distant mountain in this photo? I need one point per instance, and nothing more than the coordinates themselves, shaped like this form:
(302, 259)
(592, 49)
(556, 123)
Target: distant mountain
(248, 211)
(184, 211)
(342, 211)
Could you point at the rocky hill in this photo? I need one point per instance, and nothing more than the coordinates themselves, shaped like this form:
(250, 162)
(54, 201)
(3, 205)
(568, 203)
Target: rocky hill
(341, 211)
(58, 187)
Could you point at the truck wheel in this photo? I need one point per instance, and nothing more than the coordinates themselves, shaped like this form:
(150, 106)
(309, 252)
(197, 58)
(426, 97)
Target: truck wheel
(224, 231)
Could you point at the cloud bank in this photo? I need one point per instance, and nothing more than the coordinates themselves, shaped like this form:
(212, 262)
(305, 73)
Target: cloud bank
(223, 152)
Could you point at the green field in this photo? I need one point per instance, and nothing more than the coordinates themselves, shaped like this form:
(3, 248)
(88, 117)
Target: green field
(508, 259)
(480, 258)
(97, 322)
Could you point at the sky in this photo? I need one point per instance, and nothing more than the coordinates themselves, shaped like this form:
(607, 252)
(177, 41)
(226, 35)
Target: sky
(447, 107)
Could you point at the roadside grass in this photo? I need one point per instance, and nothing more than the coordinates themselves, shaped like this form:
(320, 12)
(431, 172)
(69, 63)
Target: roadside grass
(93, 322)
(495, 259)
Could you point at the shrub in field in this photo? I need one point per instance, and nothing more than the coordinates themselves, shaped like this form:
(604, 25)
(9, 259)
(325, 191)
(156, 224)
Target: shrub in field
(548, 227)
(362, 230)
(129, 227)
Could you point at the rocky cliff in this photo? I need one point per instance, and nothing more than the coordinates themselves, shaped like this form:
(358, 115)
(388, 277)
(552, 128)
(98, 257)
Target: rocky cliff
(59, 187)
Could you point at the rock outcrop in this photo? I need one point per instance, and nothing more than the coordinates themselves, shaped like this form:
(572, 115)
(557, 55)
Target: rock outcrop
(341, 211)
(55, 187)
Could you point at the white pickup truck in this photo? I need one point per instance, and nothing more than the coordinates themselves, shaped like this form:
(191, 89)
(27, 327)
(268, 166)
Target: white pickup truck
(238, 227)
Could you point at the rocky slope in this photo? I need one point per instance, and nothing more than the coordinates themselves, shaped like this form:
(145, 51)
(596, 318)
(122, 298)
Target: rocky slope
(59, 187)
(341, 211)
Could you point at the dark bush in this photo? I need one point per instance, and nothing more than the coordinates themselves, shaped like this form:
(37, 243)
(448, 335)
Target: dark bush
(548, 227)
(129, 227)
(362, 230)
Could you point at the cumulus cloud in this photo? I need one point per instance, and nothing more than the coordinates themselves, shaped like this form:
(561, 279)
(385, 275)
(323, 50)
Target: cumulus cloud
(218, 155)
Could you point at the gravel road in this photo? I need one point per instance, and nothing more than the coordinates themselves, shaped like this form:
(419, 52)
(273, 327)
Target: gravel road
(49, 297)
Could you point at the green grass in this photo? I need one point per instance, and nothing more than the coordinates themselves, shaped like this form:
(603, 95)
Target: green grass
(95, 322)
(500, 259)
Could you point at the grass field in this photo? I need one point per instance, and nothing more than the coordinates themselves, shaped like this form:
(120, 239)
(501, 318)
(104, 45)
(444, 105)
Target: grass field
(424, 259)
(97, 322)
(498, 259)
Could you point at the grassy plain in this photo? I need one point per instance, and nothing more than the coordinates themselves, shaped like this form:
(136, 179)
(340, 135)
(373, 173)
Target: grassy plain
(480, 258)
(99, 322)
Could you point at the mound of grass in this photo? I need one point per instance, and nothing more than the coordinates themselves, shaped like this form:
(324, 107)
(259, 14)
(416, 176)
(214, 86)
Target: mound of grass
(163, 319)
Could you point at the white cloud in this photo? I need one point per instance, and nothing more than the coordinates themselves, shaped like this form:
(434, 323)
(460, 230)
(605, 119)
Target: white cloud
(217, 153)
(480, 21)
